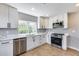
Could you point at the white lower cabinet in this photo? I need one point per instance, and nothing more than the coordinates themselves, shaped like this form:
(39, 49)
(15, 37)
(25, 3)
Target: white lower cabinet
(42, 39)
(30, 43)
(35, 41)
(6, 48)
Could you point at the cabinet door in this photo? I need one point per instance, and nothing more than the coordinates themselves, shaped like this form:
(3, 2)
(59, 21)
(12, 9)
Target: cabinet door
(3, 16)
(46, 23)
(42, 39)
(13, 17)
(22, 45)
(65, 20)
(50, 23)
(30, 43)
(42, 23)
(37, 41)
(6, 48)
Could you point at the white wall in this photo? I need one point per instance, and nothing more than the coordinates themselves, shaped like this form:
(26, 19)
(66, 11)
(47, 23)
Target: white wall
(73, 22)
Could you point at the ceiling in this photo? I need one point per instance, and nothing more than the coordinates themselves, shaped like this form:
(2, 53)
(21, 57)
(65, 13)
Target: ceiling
(43, 9)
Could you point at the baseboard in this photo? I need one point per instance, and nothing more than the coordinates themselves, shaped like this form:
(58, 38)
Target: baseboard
(73, 48)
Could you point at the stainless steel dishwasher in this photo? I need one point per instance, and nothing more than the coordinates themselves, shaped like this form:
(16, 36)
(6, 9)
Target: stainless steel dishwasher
(19, 46)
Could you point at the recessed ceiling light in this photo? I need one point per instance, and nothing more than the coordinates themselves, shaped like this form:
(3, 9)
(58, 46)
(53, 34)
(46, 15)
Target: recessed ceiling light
(77, 5)
(32, 9)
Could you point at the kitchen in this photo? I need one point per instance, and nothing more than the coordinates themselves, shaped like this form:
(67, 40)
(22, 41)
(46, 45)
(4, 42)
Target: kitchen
(21, 32)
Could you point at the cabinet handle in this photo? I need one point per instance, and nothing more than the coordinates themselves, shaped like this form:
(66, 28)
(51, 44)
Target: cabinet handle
(5, 43)
(33, 40)
(40, 37)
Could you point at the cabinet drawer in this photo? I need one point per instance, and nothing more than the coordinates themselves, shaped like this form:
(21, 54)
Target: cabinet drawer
(6, 48)
(3, 42)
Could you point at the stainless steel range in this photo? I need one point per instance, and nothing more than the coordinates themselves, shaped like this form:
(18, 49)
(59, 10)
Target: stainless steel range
(56, 39)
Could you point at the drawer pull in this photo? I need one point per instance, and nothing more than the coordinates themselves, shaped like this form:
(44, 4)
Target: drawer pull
(5, 43)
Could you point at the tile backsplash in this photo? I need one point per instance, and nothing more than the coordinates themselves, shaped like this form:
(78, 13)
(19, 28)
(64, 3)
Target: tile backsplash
(41, 30)
(6, 31)
(10, 31)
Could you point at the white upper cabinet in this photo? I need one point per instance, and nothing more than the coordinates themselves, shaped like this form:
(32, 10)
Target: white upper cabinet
(8, 16)
(57, 19)
(43, 22)
(13, 17)
(65, 20)
(3, 16)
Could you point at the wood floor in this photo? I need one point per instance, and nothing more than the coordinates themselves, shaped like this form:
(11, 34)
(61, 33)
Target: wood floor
(48, 50)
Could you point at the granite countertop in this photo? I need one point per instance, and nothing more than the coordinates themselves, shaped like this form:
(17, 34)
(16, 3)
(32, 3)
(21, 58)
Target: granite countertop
(14, 36)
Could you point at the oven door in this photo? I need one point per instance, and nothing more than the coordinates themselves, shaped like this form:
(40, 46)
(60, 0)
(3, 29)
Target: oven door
(57, 41)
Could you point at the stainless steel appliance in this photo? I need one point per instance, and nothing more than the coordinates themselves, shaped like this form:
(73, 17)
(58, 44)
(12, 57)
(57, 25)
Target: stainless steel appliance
(56, 39)
(58, 24)
(19, 46)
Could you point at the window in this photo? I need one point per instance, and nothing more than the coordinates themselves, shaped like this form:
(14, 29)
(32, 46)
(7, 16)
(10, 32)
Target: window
(27, 27)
